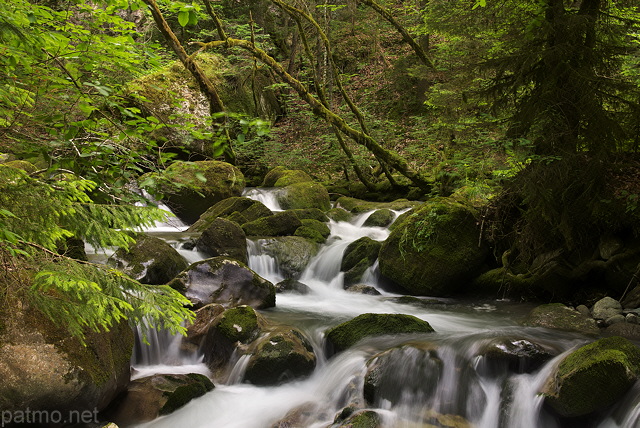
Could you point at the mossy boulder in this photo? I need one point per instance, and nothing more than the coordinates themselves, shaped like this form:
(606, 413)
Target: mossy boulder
(434, 251)
(279, 224)
(281, 177)
(291, 285)
(314, 230)
(361, 419)
(307, 194)
(359, 206)
(43, 368)
(237, 208)
(339, 214)
(350, 332)
(358, 257)
(190, 188)
(380, 218)
(225, 281)
(561, 317)
(150, 260)
(593, 377)
(516, 354)
(24, 165)
(292, 253)
(223, 238)
(161, 394)
(311, 213)
(280, 356)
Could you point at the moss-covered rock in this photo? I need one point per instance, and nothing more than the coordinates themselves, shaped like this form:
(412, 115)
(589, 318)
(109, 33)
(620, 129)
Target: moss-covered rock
(190, 188)
(278, 224)
(150, 397)
(380, 218)
(518, 355)
(291, 285)
(358, 206)
(281, 177)
(314, 230)
(339, 214)
(225, 281)
(348, 333)
(358, 257)
(562, 317)
(433, 251)
(237, 208)
(362, 419)
(593, 377)
(150, 260)
(280, 356)
(223, 238)
(304, 195)
(292, 253)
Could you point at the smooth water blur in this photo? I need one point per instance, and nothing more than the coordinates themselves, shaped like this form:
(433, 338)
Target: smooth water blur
(454, 380)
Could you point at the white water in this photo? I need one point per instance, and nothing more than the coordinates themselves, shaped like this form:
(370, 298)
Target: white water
(462, 387)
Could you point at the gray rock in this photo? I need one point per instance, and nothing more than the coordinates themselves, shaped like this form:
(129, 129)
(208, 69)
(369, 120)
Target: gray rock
(606, 308)
(583, 310)
(632, 318)
(223, 238)
(615, 319)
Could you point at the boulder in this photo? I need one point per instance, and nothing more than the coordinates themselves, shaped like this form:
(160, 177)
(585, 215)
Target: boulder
(624, 329)
(358, 257)
(363, 289)
(339, 214)
(44, 369)
(593, 377)
(237, 208)
(223, 238)
(433, 251)
(314, 230)
(518, 355)
(360, 419)
(291, 285)
(279, 224)
(150, 397)
(358, 206)
(350, 332)
(150, 260)
(605, 308)
(380, 218)
(559, 316)
(293, 253)
(190, 188)
(281, 177)
(399, 373)
(304, 195)
(205, 317)
(311, 214)
(225, 281)
(281, 355)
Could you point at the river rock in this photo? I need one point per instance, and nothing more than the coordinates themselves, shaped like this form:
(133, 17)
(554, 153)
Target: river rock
(282, 355)
(434, 250)
(292, 253)
(204, 320)
(339, 214)
(606, 308)
(304, 195)
(237, 208)
(593, 377)
(298, 416)
(291, 285)
(362, 289)
(279, 224)
(225, 281)
(624, 329)
(380, 218)
(44, 369)
(281, 177)
(350, 332)
(358, 257)
(190, 188)
(150, 397)
(313, 230)
(358, 206)
(518, 355)
(150, 260)
(311, 214)
(223, 238)
(406, 372)
(559, 316)
(360, 419)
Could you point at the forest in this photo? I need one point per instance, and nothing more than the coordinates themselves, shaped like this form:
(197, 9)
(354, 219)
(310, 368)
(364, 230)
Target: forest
(526, 113)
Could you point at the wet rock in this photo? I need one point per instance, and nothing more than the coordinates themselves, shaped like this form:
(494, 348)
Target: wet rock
(313, 230)
(606, 308)
(434, 250)
(348, 333)
(304, 195)
(363, 289)
(358, 257)
(559, 316)
(150, 260)
(380, 218)
(298, 417)
(223, 238)
(238, 208)
(358, 206)
(203, 321)
(189, 196)
(583, 310)
(626, 330)
(632, 318)
(292, 286)
(615, 319)
(593, 377)
(518, 355)
(311, 214)
(150, 397)
(281, 177)
(280, 356)
(292, 253)
(361, 419)
(225, 281)
(410, 372)
(339, 214)
(279, 224)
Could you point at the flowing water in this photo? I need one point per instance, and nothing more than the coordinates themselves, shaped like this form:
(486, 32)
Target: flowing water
(459, 381)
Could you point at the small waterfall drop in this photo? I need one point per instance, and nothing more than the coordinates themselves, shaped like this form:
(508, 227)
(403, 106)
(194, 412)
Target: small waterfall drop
(269, 197)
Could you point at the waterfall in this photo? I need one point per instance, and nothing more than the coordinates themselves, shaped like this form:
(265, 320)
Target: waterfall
(269, 197)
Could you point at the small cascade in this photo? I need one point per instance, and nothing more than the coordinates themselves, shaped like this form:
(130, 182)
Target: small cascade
(263, 264)
(268, 196)
(239, 369)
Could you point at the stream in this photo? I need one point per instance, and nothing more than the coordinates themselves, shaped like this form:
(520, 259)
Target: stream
(463, 383)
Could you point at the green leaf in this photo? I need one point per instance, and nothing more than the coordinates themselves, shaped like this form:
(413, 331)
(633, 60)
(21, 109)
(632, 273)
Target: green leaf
(183, 18)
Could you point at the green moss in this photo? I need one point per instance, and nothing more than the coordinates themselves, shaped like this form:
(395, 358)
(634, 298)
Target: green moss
(197, 386)
(279, 224)
(310, 233)
(305, 195)
(339, 214)
(239, 324)
(311, 213)
(281, 177)
(363, 419)
(348, 333)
